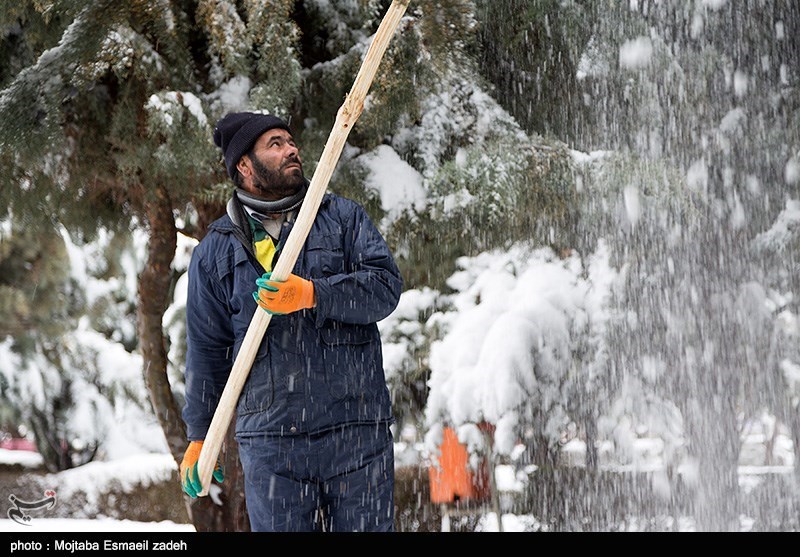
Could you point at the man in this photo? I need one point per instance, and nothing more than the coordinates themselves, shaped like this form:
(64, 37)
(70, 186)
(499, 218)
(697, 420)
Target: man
(313, 419)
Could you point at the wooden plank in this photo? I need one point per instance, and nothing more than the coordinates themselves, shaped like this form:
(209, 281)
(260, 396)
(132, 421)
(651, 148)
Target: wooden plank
(345, 119)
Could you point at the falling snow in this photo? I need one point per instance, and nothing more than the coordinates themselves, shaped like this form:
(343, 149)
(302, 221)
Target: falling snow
(664, 319)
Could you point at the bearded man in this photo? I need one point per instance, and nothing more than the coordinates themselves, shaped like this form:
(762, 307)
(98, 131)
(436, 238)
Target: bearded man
(313, 418)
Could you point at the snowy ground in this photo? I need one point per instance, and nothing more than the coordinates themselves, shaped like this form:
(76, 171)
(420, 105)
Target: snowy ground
(509, 480)
(92, 525)
(97, 474)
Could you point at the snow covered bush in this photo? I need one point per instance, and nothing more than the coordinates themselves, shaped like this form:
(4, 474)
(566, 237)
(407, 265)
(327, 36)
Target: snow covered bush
(522, 345)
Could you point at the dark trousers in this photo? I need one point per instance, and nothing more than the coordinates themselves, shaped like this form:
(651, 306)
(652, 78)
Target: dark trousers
(337, 481)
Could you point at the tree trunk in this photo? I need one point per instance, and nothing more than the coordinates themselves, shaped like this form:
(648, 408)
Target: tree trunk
(714, 444)
(231, 514)
(592, 458)
(206, 214)
(794, 427)
(234, 507)
(154, 289)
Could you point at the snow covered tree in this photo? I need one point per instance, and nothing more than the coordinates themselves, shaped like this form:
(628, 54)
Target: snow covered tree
(64, 369)
(700, 139)
(699, 103)
(530, 50)
(778, 248)
(37, 319)
(111, 107)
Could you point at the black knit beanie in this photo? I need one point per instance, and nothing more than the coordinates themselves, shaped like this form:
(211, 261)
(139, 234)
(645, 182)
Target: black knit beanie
(236, 133)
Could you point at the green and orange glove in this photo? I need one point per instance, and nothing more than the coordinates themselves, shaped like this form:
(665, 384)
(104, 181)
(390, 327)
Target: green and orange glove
(190, 478)
(281, 297)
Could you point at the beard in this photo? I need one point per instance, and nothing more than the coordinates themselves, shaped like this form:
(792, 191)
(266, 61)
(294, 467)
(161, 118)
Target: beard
(275, 184)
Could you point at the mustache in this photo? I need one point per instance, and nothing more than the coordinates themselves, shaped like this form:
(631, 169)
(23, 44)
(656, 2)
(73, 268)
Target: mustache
(291, 161)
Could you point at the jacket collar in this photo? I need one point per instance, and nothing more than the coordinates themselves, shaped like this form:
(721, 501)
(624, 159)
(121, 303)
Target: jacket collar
(235, 220)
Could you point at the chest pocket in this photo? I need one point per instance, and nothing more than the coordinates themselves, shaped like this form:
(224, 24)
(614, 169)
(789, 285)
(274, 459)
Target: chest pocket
(324, 255)
(228, 260)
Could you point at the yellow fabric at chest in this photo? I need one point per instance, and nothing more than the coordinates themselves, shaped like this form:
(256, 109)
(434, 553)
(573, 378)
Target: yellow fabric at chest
(265, 252)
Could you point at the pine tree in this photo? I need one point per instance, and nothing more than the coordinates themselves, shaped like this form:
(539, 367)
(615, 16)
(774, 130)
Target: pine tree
(110, 108)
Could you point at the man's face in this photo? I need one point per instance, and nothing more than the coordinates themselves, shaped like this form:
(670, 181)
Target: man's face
(276, 170)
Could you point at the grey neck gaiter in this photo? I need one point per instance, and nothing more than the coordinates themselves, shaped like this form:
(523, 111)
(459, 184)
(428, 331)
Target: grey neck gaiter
(264, 207)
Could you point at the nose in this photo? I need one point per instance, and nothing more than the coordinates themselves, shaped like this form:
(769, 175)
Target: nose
(292, 152)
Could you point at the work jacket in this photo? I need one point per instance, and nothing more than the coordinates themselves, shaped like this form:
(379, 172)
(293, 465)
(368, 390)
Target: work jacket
(315, 369)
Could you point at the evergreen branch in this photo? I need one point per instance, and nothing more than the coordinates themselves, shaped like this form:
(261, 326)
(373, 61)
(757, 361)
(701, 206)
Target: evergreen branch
(31, 105)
